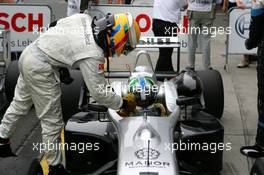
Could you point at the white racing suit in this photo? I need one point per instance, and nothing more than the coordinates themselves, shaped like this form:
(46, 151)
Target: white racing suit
(38, 82)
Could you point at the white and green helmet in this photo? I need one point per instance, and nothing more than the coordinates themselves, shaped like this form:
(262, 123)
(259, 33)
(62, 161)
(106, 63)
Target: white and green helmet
(144, 89)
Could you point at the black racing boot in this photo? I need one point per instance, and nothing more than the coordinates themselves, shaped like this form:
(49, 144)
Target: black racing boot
(254, 151)
(58, 170)
(5, 149)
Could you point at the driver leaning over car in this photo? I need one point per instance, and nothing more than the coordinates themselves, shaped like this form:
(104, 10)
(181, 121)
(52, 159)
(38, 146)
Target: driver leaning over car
(77, 41)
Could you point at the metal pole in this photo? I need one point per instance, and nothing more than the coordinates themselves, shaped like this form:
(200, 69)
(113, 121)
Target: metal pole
(226, 67)
(178, 58)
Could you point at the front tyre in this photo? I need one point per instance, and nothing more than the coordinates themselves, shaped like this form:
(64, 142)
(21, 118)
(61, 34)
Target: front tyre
(213, 92)
(258, 167)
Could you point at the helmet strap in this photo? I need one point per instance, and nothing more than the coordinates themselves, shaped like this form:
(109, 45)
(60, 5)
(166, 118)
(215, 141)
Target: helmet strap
(107, 50)
(100, 37)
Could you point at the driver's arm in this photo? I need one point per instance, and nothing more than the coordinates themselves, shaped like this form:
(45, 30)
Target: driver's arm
(95, 81)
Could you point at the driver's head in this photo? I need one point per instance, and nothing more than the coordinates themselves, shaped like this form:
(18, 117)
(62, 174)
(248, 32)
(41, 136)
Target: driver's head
(124, 35)
(144, 89)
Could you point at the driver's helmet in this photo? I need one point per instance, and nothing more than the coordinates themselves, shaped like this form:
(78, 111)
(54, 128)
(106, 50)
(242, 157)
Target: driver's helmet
(144, 88)
(124, 35)
(189, 85)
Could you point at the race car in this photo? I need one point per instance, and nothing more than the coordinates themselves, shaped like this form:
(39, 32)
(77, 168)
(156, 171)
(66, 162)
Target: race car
(174, 130)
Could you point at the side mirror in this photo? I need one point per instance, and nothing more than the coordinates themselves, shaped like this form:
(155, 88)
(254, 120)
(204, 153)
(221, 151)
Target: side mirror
(103, 117)
(187, 101)
(99, 109)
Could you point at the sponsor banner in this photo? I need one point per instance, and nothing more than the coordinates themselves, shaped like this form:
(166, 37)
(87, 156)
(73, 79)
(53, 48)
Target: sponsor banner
(239, 21)
(147, 157)
(157, 42)
(25, 22)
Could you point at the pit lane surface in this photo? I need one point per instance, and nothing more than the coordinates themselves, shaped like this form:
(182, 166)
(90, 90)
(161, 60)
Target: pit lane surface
(239, 119)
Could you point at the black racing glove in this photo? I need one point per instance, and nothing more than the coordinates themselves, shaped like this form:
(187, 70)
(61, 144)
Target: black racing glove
(65, 76)
(129, 105)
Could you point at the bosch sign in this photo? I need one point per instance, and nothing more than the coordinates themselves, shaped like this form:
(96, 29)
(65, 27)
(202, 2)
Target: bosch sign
(20, 22)
(25, 22)
(239, 21)
(242, 25)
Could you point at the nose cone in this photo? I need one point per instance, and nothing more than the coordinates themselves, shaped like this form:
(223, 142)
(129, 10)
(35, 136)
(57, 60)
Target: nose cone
(146, 133)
